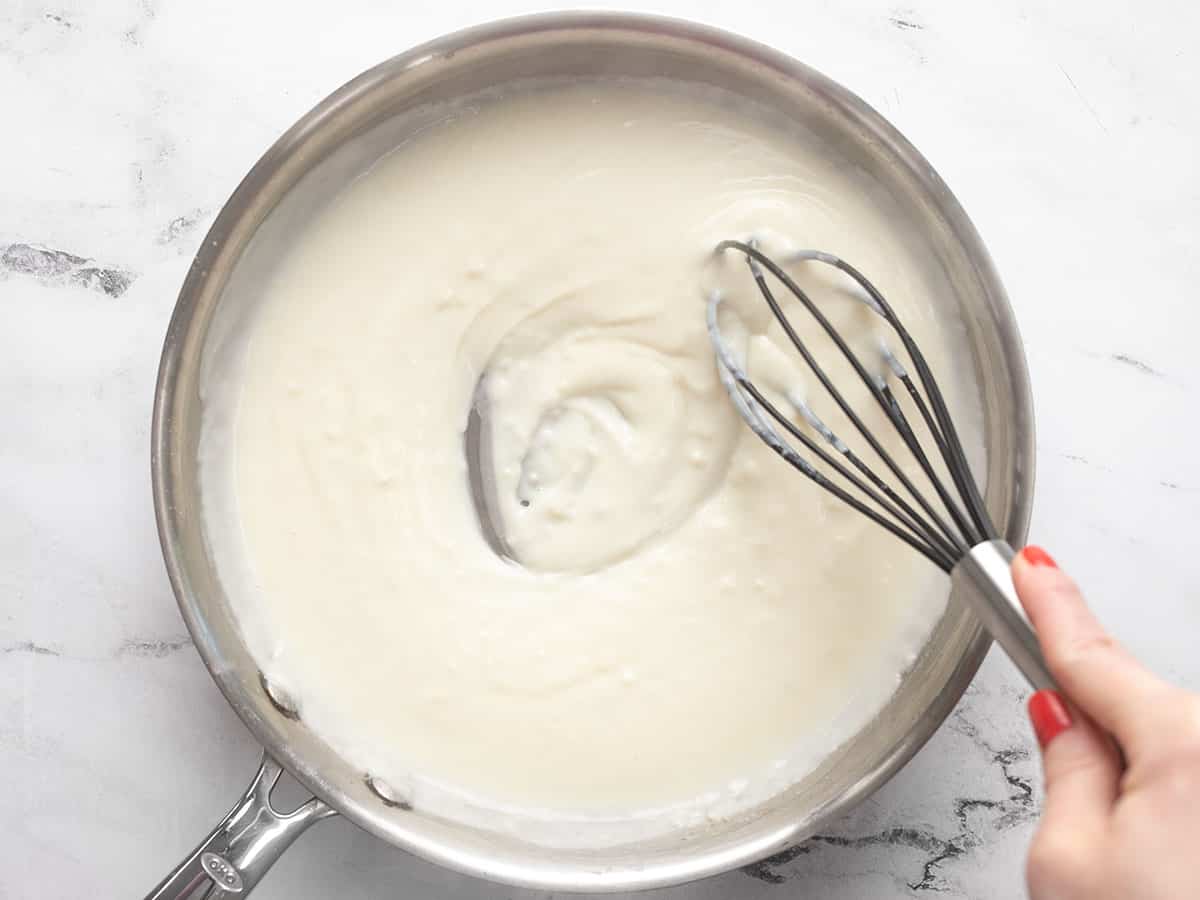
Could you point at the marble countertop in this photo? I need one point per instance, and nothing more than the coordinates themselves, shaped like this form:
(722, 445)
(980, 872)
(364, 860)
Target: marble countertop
(1070, 132)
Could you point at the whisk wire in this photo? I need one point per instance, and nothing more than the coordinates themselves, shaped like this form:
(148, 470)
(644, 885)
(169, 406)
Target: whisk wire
(977, 561)
(951, 446)
(930, 534)
(909, 528)
(754, 255)
(911, 516)
(889, 501)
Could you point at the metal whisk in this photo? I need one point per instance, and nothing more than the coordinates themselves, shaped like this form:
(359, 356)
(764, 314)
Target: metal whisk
(954, 530)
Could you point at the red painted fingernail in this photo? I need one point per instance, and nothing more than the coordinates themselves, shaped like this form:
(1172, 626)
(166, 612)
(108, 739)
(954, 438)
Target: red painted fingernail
(1036, 556)
(1049, 716)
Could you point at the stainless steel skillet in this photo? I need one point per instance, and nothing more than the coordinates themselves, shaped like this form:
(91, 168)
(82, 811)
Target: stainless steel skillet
(335, 142)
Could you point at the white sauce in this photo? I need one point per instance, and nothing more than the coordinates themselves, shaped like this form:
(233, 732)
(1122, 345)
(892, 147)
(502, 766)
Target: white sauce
(697, 625)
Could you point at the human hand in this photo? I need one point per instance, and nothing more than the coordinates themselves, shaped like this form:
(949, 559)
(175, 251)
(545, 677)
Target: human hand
(1121, 819)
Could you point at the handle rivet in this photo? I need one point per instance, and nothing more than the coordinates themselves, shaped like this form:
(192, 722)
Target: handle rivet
(389, 794)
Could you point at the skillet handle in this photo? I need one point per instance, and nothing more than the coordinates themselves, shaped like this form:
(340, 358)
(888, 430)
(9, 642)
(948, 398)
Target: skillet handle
(240, 850)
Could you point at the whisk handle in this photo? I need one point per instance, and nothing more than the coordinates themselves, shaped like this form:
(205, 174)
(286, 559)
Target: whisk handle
(983, 578)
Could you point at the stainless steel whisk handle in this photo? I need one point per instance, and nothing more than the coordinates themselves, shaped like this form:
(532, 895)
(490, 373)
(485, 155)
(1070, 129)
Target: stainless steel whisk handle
(984, 578)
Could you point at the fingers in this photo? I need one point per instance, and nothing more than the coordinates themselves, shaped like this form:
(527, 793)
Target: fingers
(1082, 779)
(1095, 673)
(1082, 770)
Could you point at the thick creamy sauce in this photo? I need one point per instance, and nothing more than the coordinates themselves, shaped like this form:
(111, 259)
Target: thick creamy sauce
(695, 625)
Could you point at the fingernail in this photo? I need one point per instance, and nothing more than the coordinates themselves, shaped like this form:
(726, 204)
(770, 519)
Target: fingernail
(1036, 556)
(1049, 716)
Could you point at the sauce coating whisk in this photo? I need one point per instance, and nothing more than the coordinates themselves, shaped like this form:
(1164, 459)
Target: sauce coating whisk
(949, 525)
